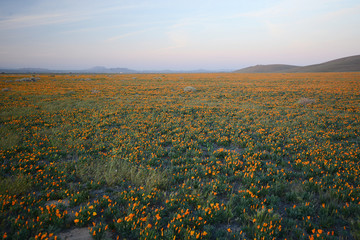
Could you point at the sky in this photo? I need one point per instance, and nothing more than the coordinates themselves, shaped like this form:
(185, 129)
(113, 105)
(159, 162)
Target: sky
(176, 34)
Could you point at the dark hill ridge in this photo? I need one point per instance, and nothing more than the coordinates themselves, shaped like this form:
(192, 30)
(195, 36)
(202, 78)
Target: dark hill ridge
(347, 64)
(267, 68)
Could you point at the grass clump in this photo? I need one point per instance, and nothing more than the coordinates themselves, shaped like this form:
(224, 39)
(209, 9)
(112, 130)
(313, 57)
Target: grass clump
(9, 138)
(15, 185)
(116, 171)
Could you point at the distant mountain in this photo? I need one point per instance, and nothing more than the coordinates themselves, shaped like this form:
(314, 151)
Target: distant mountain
(347, 64)
(26, 70)
(99, 69)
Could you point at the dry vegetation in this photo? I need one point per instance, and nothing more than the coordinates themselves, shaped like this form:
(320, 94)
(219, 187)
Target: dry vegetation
(265, 156)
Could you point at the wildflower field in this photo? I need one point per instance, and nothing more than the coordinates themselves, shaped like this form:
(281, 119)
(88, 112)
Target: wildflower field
(245, 156)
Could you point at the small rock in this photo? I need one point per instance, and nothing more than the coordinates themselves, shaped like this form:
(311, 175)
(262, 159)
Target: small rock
(306, 101)
(32, 79)
(189, 89)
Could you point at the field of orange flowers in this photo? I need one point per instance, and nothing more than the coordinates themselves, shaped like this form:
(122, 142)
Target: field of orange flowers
(246, 156)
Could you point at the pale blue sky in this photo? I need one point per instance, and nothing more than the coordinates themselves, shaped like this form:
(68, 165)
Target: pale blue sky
(178, 35)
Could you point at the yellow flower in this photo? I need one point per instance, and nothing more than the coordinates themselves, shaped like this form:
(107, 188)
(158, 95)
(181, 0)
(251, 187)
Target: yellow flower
(94, 213)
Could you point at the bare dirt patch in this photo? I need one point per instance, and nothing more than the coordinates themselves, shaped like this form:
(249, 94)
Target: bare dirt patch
(76, 234)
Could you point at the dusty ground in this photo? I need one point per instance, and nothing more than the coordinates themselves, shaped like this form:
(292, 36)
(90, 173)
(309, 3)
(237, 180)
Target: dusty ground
(76, 234)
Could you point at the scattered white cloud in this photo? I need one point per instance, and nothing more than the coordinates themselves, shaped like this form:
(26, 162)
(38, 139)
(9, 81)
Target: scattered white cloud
(128, 34)
(62, 15)
(26, 21)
